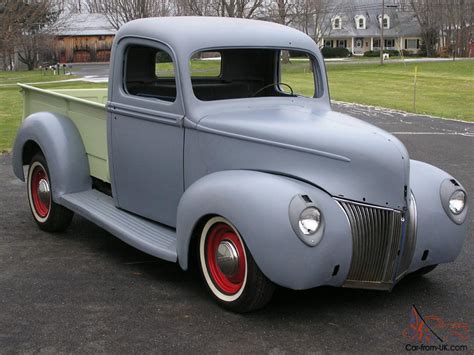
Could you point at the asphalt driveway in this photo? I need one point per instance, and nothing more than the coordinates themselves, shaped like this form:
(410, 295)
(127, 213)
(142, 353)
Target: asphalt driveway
(87, 292)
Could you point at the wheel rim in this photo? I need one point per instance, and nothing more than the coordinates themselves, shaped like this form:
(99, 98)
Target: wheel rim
(225, 258)
(40, 191)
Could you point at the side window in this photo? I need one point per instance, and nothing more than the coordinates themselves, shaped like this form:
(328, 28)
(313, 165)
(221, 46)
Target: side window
(297, 74)
(149, 72)
(206, 64)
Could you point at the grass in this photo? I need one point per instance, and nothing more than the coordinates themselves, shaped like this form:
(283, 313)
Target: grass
(11, 104)
(444, 89)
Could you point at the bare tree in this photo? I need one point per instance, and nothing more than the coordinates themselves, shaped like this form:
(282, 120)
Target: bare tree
(241, 8)
(428, 15)
(198, 7)
(26, 27)
(444, 22)
(457, 22)
(119, 12)
(313, 18)
(224, 8)
(282, 11)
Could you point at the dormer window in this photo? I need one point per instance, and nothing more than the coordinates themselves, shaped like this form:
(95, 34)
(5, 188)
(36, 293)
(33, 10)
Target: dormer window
(360, 22)
(386, 21)
(336, 23)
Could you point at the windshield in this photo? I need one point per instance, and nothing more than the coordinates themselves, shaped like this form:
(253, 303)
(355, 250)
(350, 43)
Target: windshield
(223, 74)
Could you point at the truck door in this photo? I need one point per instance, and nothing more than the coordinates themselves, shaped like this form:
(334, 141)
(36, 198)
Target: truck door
(145, 133)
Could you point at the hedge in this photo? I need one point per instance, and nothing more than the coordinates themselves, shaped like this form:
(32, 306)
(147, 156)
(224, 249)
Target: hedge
(392, 53)
(329, 52)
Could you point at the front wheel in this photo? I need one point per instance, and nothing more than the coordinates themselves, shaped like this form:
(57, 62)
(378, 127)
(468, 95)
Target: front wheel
(49, 216)
(229, 270)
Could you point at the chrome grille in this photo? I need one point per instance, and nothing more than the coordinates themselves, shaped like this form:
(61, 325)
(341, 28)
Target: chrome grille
(376, 237)
(410, 239)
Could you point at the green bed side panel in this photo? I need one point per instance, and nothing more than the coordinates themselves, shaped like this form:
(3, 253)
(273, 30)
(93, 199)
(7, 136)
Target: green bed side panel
(86, 108)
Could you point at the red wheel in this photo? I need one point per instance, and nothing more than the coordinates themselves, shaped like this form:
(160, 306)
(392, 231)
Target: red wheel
(225, 259)
(229, 270)
(40, 191)
(48, 215)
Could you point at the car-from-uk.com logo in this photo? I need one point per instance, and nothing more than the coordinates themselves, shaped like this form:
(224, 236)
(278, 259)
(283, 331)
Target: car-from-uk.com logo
(433, 333)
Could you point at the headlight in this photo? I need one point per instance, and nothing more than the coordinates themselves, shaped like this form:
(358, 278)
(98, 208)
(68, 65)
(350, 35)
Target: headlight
(309, 221)
(454, 200)
(457, 202)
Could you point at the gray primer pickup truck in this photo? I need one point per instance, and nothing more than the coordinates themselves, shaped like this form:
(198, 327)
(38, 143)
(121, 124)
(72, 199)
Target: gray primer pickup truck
(216, 142)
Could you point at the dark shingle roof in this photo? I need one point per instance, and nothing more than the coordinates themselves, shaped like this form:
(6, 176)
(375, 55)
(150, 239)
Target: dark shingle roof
(402, 23)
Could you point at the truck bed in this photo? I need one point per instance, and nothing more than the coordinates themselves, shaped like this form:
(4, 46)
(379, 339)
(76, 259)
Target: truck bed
(86, 108)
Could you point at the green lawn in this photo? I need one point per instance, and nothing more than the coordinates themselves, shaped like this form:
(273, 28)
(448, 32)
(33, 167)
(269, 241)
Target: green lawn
(444, 89)
(11, 105)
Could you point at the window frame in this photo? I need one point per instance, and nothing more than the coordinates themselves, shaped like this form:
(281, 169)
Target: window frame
(358, 19)
(337, 18)
(143, 108)
(124, 73)
(318, 78)
(391, 41)
(417, 43)
(382, 21)
(318, 85)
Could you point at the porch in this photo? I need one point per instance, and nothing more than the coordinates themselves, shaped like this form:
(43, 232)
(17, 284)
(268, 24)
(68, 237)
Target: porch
(360, 45)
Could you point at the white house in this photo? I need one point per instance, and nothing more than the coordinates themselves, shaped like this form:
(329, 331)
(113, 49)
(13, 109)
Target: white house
(357, 25)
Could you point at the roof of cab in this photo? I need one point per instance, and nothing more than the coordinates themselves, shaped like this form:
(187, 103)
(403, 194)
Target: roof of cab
(188, 34)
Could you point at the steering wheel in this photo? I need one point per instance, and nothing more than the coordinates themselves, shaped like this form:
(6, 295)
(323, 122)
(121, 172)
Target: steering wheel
(272, 84)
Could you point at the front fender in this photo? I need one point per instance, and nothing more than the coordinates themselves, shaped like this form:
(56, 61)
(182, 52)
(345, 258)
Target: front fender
(62, 146)
(258, 205)
(436, 234)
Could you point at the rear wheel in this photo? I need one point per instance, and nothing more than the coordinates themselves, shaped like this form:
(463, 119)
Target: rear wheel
(229, 270)
(49, 216)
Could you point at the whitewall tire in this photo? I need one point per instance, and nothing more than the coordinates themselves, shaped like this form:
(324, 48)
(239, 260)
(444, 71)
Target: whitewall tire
(229, 270)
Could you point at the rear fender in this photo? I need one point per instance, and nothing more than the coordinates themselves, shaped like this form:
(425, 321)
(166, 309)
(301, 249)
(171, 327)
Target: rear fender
(62, 146)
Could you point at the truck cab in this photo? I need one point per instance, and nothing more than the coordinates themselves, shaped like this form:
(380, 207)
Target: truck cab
(216, 138)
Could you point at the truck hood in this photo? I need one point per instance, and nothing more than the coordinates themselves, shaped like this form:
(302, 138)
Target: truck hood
(345, 156)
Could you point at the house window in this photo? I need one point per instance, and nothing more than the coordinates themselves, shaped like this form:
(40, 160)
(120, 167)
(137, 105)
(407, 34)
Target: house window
(376, 43)
(389, 43)
(412, 44)
(328, 44)
(360, 22)
(336, 23)
(341, 43)
(386, 22)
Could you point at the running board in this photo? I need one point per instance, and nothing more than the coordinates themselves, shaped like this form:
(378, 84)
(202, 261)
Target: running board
(151, 238)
